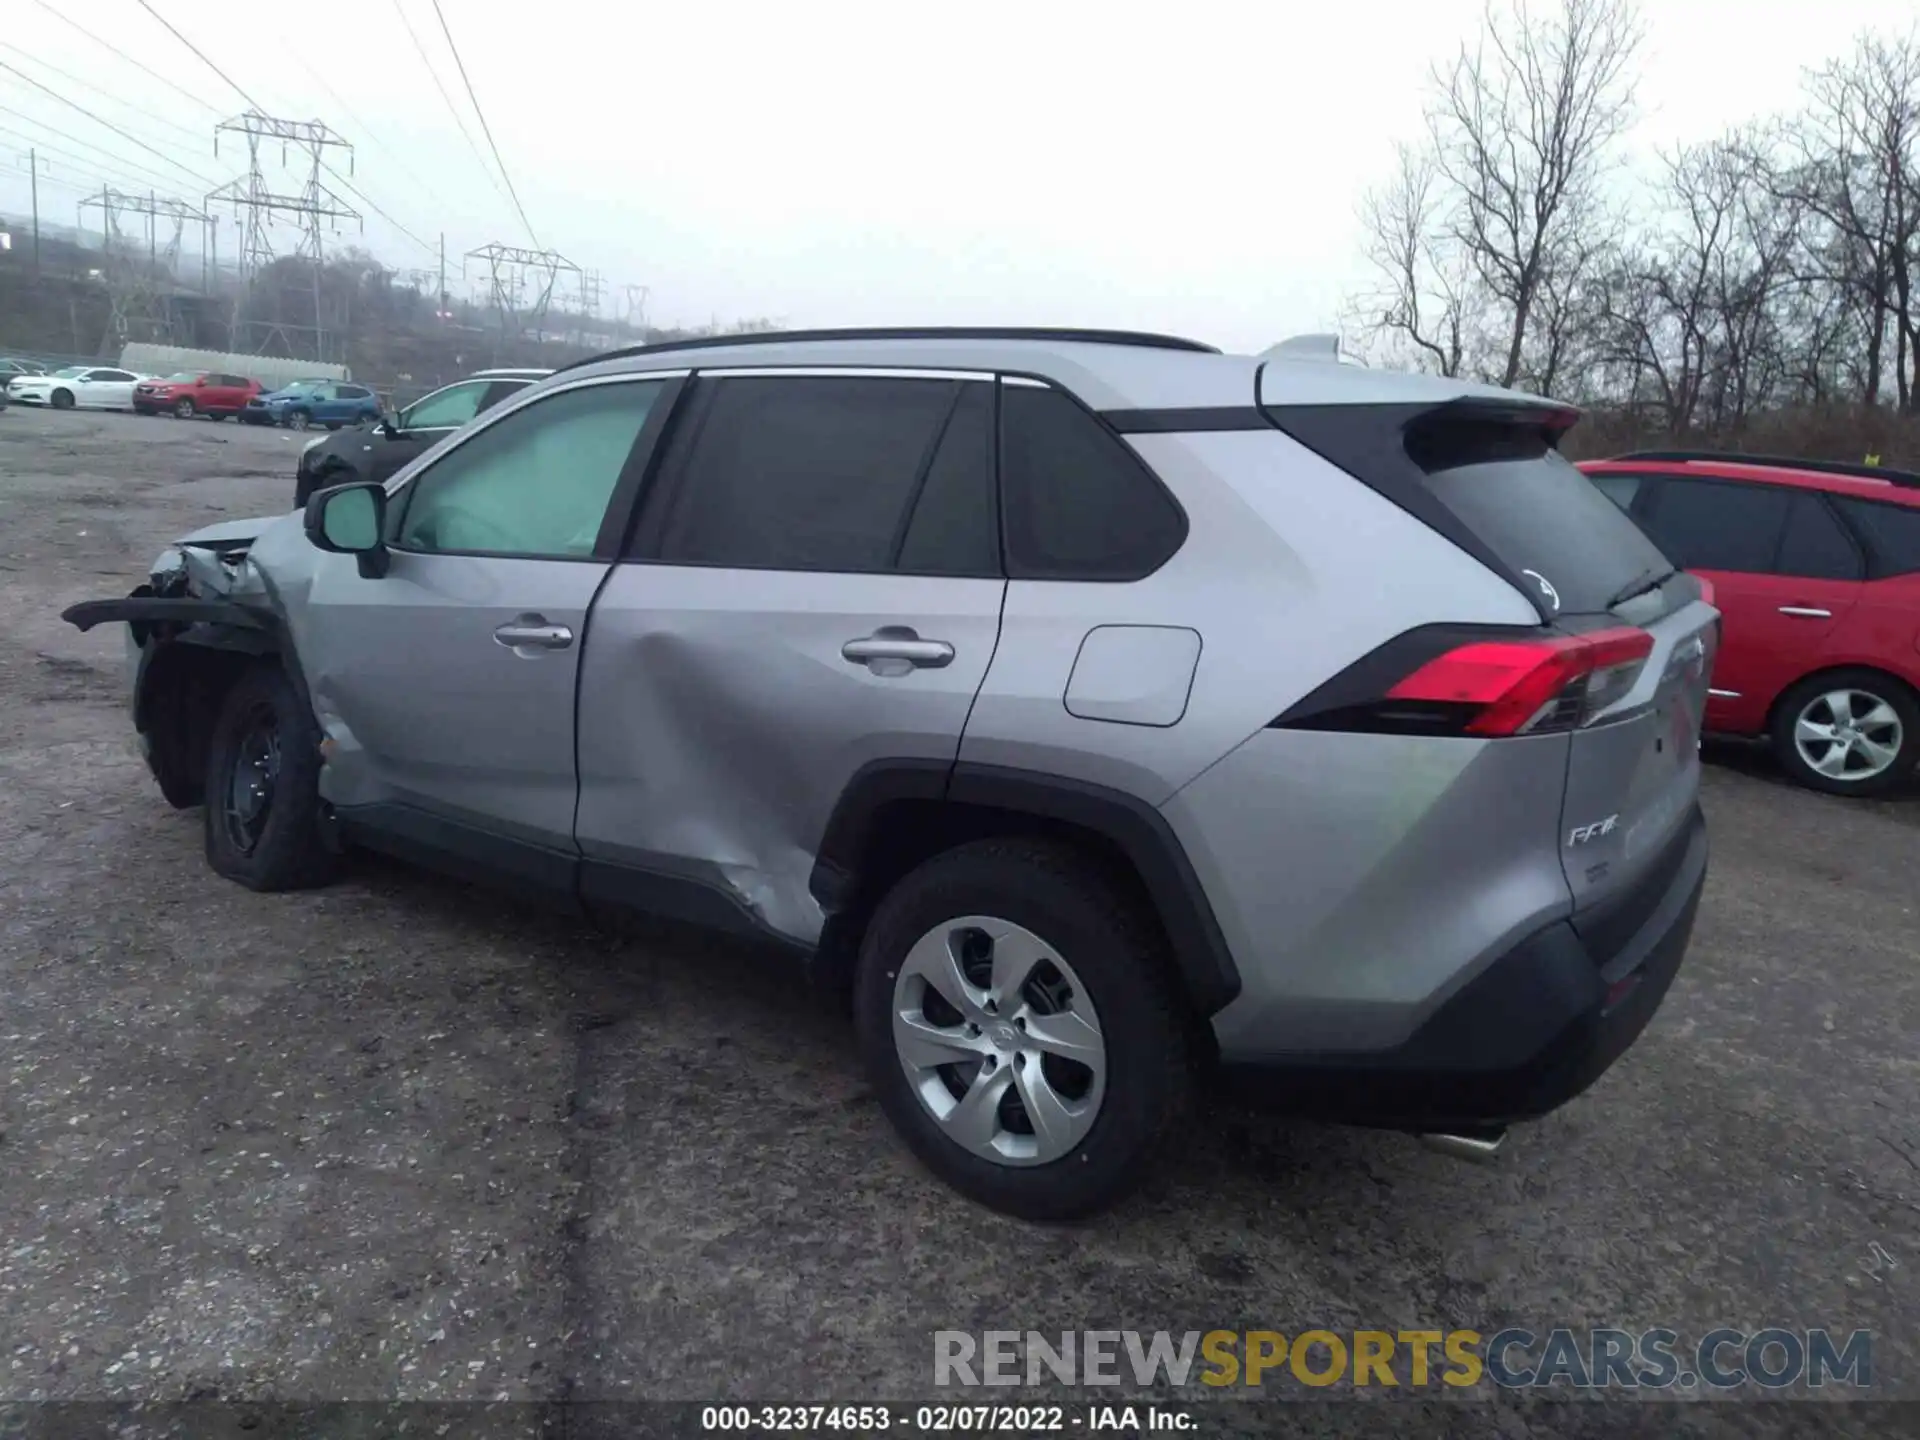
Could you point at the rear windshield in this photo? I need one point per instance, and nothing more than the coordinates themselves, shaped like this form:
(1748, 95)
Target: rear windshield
(1497, 487)
(1544, 516)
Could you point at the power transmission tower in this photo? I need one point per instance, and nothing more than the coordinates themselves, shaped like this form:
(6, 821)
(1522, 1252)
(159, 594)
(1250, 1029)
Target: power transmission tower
(513, 274)
(591, 287)
(139, 268)
(311, 210)
(633, 309)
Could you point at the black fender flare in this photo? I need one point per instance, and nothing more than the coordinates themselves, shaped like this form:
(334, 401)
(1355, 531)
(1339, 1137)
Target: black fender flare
(1134, 828)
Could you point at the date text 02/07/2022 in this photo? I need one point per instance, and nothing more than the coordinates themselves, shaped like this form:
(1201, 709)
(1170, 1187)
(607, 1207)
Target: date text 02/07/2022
(942, 1419)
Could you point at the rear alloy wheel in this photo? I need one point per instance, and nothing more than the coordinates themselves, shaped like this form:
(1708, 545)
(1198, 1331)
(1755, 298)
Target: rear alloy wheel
(1019, 1024)
(1852, 732)
(62, 400)
(183, 407)
(263, 788)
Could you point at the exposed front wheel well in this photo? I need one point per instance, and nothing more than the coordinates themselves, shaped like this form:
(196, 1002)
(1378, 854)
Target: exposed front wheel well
(181, 693)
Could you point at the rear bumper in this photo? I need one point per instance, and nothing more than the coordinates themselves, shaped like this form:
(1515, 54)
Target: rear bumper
(1528, 1034)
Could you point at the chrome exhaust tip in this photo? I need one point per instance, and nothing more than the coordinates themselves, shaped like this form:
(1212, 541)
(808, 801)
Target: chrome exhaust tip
(1483, 1149)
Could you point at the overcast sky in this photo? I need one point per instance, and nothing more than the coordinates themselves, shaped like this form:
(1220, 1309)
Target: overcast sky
(1191, 167)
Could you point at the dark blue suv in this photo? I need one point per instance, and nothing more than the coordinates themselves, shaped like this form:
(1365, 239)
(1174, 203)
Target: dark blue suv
(331, 403)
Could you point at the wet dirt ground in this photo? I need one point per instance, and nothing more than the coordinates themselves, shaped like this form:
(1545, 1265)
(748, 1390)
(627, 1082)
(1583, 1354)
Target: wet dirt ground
(396, 1139)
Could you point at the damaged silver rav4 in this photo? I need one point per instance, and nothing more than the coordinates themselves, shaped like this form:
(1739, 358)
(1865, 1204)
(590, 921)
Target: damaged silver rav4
(1091, 709)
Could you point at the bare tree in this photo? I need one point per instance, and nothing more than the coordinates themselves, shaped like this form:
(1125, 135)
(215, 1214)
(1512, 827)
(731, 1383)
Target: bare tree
(1858, 173)
(1524, 129)
(1421, 299)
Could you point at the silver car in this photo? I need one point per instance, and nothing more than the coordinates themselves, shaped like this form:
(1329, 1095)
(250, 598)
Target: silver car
(1100, 713)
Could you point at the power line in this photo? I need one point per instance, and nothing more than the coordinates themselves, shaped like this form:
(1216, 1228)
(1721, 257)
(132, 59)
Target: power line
(261, 109)
(113, 167)
(68, 20)
(202, 57)
(99, 90)
(107, 124)
(368, 131)
(485, 128)
(426, 62)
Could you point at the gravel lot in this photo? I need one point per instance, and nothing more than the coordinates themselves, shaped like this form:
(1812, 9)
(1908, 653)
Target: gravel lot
(395, 1140)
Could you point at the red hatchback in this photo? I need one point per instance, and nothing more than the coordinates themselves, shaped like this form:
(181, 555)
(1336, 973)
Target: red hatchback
(195, 392)
(1816, 569)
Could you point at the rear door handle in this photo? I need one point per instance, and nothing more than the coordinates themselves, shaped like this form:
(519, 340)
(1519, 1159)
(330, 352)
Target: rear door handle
(887, 648)
(1806, 612)
(533, 632)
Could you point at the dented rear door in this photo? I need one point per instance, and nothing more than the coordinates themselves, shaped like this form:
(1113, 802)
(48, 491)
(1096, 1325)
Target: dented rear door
(813, 586)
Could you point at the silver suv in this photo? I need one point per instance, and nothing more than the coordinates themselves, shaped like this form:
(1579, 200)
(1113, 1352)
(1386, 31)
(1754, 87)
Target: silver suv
(1097, 712)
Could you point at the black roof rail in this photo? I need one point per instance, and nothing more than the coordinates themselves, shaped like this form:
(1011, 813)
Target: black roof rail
(952, 332)
(1780, 462)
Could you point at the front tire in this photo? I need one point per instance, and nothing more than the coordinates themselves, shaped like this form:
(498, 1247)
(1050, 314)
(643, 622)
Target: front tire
(1019, 1023)
(298, 419)
(184, 408)
(263, 788)
(62, 400)
(1848, 732)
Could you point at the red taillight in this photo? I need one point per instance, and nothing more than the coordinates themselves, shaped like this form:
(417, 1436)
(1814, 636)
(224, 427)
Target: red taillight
(1527, 687)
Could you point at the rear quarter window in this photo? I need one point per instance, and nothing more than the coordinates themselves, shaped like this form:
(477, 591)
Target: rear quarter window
(1892, 533)
(1078, 504)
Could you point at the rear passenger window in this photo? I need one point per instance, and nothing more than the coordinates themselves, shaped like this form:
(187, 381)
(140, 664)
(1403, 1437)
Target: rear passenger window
(805, 472)
(952, 530)
(1814, 546)
(1892, 531)
(1719, 525)
(1080, 505)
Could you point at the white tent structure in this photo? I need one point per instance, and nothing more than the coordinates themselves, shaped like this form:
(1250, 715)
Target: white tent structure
(271, 371)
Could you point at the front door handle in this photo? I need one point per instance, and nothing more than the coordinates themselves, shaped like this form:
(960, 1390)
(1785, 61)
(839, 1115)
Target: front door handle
(532, 632)
(1806, 612)
(895, 649)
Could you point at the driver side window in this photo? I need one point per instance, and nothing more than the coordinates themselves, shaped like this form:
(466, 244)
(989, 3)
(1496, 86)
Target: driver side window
(535, 483)
(445, 409)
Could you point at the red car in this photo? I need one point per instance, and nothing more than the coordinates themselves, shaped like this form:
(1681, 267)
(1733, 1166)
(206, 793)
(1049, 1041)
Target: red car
(1816, 569)
(195, 392)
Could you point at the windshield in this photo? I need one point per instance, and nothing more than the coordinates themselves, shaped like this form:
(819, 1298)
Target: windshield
(185, 377)
(71, 372)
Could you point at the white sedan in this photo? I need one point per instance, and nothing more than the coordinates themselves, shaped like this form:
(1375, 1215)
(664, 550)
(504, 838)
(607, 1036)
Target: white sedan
(90, 387)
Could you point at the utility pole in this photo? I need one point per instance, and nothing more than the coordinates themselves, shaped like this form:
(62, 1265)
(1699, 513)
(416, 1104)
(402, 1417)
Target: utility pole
(440, 306)
(33, 173)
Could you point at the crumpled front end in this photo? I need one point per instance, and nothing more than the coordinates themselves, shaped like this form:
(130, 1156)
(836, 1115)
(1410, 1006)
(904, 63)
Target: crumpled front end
(205, 613)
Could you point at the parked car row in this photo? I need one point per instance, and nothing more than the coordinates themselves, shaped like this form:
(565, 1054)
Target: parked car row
(189, 393)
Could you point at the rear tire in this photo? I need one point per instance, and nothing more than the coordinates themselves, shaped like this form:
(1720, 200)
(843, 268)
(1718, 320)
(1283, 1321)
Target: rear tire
(1835, 732)
(262, 811)
(1112, 994)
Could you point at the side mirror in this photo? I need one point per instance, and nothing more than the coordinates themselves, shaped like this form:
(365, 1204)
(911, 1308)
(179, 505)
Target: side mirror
(350, 520)
(390, 426)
